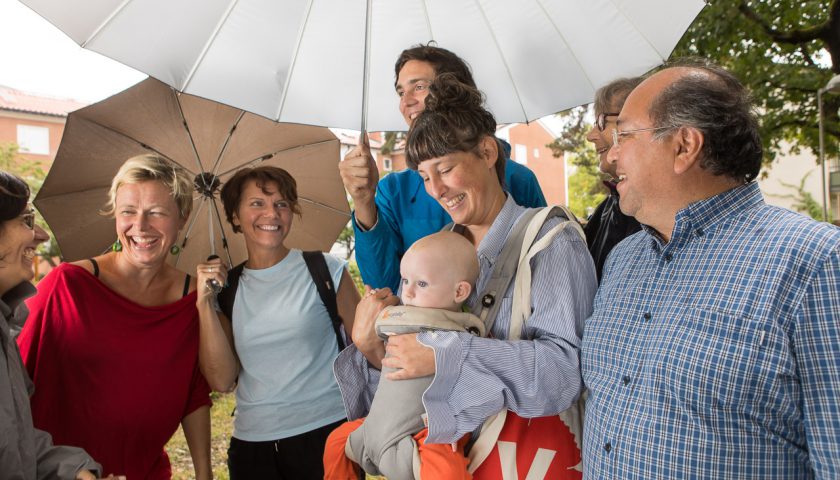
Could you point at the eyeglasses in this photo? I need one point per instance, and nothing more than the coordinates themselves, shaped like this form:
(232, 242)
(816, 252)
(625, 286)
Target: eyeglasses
(617, 136)
(28, 217)
(601, 120)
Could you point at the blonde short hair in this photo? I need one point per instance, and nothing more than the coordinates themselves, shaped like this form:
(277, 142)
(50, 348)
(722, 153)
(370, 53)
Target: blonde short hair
(151, 167)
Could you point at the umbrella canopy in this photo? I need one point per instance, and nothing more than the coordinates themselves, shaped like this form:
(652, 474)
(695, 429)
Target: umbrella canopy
(204, 137)
(331, 62)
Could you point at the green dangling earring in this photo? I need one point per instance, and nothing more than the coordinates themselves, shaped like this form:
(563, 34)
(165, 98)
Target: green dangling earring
(117, 246)
(175, 250)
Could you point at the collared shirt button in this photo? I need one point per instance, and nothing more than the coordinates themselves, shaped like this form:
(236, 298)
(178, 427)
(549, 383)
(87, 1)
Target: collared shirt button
(607, 447)
(625, 379)
(668, 257)
(646, 316)
(699, 232)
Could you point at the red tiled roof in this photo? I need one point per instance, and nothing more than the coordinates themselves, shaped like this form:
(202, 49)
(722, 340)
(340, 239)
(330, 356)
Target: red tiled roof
(16, 100)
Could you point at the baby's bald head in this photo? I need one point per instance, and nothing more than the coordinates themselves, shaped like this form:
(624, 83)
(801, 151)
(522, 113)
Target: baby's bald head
(439, 271)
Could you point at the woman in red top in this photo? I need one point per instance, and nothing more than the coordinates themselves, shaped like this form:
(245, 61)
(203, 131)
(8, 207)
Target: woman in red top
(112, 342)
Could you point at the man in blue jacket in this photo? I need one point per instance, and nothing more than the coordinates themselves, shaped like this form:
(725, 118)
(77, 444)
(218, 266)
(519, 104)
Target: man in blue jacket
(388, 218)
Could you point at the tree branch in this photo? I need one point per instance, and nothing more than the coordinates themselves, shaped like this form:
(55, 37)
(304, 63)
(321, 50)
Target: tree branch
(793, 37)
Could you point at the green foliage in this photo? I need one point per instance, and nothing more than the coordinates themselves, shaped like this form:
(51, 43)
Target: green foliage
(778, 49)
(356, 275)
(347, 240)
(32, 173)
(585, 188)
(803, 201)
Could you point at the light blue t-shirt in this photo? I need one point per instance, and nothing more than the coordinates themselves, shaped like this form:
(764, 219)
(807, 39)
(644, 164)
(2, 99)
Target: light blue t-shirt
(286, 344)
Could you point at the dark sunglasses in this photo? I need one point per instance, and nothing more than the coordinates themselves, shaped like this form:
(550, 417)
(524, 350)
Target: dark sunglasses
(28, 218)
(601, 120)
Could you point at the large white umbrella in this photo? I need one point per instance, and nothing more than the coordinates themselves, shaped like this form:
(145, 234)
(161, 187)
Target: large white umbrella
(330, 62)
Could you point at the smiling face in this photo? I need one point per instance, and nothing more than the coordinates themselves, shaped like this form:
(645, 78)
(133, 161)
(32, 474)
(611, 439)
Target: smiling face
(413, 87)
(644, 164)
(465, 184)
(264, 217)
(148, 221)
(18, 239)
(602, 140)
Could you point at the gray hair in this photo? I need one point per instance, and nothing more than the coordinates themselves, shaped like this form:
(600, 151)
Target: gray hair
(615, 93)
(713, 101)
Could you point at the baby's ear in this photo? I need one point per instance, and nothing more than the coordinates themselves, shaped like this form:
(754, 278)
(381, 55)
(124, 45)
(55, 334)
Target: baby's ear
(462, 291)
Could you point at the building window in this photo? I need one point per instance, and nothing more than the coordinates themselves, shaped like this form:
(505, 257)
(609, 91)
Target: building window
(520, 154)
(386, 164)
(33, 139)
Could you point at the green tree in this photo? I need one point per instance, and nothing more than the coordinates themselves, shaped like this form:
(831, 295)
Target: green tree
(803, 201)
(585, 188)
(32, 173)
(784, 51)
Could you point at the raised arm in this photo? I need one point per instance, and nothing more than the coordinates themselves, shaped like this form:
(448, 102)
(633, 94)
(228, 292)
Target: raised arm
(216, 352)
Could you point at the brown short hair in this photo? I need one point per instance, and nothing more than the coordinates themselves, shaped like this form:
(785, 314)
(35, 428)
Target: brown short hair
(232, 190)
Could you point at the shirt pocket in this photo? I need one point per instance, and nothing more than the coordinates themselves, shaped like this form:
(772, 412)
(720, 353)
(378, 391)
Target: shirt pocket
(709, 359)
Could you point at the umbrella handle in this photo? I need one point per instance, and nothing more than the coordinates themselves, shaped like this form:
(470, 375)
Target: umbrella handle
(212, 283)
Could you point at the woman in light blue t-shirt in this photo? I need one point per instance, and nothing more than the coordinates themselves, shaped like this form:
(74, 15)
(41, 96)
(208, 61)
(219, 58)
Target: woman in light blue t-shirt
(279, 347)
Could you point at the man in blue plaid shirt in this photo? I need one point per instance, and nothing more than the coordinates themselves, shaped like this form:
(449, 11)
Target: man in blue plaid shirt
(714, 348)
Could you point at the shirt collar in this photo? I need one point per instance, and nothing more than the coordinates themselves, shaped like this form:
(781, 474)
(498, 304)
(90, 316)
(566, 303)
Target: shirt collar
(699, 216)
(708, 212)
(492, 243)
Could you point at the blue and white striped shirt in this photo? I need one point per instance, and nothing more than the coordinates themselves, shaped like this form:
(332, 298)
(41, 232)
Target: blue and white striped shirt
(478, 377)
(717, 355)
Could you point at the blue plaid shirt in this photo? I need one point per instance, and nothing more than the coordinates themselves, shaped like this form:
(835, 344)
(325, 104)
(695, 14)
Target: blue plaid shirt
(717, 355)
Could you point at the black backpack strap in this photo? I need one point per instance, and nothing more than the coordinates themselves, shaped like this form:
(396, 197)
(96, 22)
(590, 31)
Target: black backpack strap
(317, 266)
(228, 294)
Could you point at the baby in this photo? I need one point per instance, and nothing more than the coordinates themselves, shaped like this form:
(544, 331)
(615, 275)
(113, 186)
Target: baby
(438, 273)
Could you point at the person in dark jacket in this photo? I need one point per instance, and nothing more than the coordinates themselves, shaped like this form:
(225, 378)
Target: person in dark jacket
(607, 226)
(26, 453)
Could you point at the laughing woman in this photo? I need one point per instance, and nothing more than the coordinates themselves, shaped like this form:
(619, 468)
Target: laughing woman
(112, 341)
(25, 453)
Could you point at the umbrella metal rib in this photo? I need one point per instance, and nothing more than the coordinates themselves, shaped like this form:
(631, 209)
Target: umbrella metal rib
(293, 62)
(187, 128)
(366, 70)
(502, 56)
(193, 219)
(208, 44)
(267, 156)
(222, 152)
(105, 23)
(572, 53)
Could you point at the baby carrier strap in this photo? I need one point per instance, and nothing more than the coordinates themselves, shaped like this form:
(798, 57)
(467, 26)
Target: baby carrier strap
(514, 261)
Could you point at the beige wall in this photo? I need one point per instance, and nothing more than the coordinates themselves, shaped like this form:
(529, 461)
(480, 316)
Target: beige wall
(8, 131)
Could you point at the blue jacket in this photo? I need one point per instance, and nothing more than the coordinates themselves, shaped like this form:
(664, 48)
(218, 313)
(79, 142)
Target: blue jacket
(407, 213)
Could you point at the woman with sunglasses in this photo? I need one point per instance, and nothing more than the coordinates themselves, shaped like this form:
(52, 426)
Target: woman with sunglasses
(25, 452)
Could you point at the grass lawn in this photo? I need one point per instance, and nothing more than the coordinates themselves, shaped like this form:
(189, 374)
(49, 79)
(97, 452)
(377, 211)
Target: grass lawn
(221, 428)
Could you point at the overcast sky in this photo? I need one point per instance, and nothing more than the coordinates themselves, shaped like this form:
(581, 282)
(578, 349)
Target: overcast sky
(37, 57)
